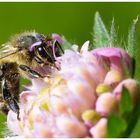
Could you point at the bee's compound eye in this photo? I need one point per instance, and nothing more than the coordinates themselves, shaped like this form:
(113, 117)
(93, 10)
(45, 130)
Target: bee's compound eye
(41, 51)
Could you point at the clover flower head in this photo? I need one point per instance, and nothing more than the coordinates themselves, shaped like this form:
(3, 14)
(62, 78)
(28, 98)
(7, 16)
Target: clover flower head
(76, 100)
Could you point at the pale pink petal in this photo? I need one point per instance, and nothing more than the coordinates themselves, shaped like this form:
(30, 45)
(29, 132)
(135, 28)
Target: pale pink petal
(106, 103)
(100, 129)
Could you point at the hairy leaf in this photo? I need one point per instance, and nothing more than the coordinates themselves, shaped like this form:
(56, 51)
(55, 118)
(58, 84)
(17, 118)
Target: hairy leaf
(100, 33)
(132, 39)
(113, 34)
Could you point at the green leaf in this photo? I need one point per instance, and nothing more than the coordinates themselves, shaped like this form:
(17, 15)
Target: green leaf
(66, 44)
(100, 33)
(113, 34)
(2, 125)
(115, 126)
(23, 83)
(136, 131)
(134, 125)
(132, 39)
(125, 104)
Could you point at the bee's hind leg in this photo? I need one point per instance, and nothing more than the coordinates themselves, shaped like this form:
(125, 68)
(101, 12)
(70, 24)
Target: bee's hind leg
(7, 96)
(3, 106)
(9, 87)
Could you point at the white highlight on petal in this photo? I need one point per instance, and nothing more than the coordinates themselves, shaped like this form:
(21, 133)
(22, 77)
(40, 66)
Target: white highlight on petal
(85, 47)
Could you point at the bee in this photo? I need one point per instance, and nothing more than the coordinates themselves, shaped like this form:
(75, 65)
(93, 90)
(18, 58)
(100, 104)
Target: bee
(20, 57)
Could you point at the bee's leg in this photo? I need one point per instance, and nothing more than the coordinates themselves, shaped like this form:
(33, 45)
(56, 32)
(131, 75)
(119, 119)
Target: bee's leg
(3, 106)
(7, 96)
(38, 60)
(33, 73)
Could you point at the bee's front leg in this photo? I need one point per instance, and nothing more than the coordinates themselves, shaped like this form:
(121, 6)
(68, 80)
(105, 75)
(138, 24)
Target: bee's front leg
(33, 73)
(7, 96)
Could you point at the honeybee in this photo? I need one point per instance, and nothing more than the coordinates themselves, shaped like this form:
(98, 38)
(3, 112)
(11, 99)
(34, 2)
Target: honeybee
(19, 57)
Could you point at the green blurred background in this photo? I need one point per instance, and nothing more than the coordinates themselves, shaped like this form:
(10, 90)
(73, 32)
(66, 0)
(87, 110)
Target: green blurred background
(73, 20)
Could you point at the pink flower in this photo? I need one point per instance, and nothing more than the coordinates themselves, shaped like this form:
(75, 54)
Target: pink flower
(76, 100)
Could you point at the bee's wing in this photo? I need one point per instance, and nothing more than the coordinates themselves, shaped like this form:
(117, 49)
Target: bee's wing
(7, 50)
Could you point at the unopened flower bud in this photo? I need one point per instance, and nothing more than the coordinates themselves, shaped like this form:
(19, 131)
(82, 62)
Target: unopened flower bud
(91, 116)
(132, 87)
(102, 88)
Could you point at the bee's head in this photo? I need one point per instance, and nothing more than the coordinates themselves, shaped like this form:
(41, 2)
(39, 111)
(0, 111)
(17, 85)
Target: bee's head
(27, 39)
(42, 40)
(46, 47)
(43, 49)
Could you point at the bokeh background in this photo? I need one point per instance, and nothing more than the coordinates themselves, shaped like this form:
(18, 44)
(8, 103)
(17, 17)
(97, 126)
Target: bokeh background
(73, 20)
